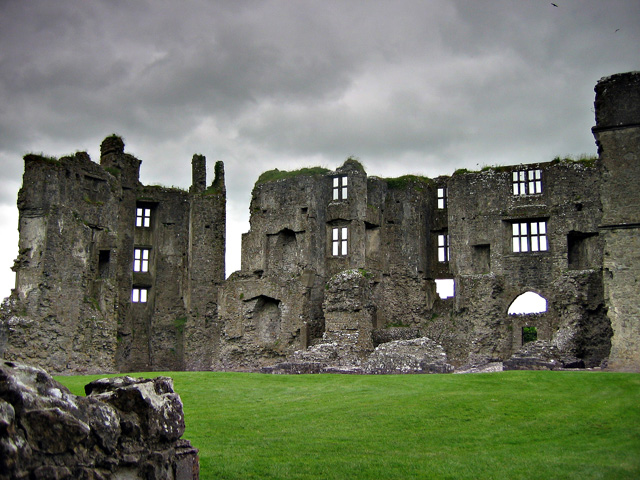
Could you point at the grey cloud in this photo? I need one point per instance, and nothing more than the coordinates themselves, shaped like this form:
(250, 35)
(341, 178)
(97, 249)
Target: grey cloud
(408, 85)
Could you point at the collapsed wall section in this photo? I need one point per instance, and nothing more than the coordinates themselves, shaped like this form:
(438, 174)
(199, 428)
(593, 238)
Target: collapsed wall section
(62, 312)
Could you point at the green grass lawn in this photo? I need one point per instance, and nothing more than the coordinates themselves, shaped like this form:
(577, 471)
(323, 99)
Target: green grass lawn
(509, 425)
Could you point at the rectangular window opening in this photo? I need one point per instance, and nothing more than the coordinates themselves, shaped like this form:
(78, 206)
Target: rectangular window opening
(141, 260)
(527, 182)
(104, 257)
(529, 334)
(443, 248)
(442, 198)
(139, 295)
(481, 259)
(529, 237)
(340, 188)
(143, 217)
(445, 288)
(339, 241)
(582, 250)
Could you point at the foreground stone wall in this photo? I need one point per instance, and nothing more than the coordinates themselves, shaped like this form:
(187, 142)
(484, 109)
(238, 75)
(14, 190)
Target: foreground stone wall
(124, 428)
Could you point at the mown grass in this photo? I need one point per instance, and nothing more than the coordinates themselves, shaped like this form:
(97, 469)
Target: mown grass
(509, 425)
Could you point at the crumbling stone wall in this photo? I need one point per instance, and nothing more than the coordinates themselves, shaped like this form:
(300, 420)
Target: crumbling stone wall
(73, 308)
(124, 428)
(577, 219)
(290, 254)
(395, 231)
(482, 211)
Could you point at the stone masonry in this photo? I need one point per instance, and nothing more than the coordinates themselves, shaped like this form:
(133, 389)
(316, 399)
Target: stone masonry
(113, 275)
(338, 268)
(124, 428)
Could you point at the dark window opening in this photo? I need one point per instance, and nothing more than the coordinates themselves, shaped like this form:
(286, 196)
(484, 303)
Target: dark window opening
(582, 250)
(104, 257)
(373, 242)
(529, 334)
(481, 259)
(267, 317)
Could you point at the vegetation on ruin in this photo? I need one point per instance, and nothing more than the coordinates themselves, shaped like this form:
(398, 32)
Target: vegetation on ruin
(275, 174)
(115, 171)
(587, 160)
(524, 424)
(42, 157)
(584, 159)
(354, 163)
(402, 183)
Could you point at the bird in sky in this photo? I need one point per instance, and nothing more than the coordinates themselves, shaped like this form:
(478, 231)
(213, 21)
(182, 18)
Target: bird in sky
(554, 4)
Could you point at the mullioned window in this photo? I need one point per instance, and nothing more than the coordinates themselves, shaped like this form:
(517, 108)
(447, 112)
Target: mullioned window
(340, 188)
(527, 182)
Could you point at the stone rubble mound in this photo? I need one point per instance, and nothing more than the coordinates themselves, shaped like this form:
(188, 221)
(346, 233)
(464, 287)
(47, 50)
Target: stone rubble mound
(541, 355)
(124, 428)
(419, 355)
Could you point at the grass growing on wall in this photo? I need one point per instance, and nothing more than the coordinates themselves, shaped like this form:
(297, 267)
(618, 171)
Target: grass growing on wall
(275, 174)
(509, 425)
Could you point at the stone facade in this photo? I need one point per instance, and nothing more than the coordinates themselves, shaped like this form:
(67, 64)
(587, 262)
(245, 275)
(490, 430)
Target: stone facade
(113, 275)
(387, 241)
(336, 263)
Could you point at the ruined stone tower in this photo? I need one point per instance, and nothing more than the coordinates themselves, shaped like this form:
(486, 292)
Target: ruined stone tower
(617, 134)
(113, 275)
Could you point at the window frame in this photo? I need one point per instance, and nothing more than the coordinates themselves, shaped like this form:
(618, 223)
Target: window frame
(533, 238)
(141, 262)
(444, 250)
(139, 295)
(143, 217)
(339, 241)
(340, 188)
(526, 182)
(442, 198)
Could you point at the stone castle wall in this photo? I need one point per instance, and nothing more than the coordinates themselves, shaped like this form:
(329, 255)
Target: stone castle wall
(77, 305)
(564, 230)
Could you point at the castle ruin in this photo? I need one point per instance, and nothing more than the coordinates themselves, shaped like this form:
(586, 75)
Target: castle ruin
(337, 267)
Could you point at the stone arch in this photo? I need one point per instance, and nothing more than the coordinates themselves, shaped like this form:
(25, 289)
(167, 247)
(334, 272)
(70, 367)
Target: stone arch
(527, 303)
(267, 317)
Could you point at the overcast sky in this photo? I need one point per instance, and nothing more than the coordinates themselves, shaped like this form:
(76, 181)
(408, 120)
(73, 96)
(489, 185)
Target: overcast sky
(415, 86)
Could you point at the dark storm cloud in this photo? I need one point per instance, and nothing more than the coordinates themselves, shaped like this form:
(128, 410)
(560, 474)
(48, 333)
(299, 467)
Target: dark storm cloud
(408, 86)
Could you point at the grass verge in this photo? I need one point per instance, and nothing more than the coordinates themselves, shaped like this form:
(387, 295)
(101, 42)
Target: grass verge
(509, 425)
